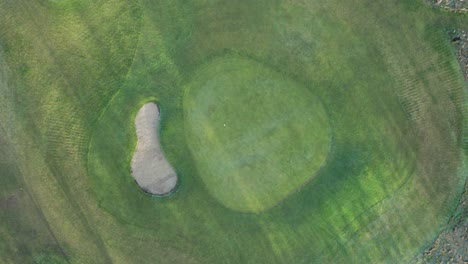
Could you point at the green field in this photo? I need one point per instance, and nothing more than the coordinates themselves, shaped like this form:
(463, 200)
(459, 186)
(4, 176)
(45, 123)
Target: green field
(263, 134)
(300, 131)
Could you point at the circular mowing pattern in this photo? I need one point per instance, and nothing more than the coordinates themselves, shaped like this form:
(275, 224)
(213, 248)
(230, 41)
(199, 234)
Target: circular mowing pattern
(255, 135)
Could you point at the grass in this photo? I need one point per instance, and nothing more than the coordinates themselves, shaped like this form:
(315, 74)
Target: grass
(255, 136)
(386, 76)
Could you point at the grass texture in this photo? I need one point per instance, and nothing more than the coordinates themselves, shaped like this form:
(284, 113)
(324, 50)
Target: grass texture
(364, 163)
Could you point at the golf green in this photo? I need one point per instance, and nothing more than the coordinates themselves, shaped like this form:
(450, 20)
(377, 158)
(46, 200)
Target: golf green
(256, 135)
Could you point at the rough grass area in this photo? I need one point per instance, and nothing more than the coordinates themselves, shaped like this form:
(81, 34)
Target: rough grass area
(451, 246)
(452, 5)
(460, 40)
(79, 70)
(26, 237)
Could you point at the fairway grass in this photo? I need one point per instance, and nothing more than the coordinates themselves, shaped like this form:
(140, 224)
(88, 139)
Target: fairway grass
(255, 135)
(391, 161)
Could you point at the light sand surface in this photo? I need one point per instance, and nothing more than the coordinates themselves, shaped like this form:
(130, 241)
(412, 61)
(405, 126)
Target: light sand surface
(150, 169)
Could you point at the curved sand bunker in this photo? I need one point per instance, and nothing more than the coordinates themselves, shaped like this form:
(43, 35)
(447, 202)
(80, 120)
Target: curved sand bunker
(150, 169)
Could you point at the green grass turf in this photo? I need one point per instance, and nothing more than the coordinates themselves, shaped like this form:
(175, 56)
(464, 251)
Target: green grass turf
(384, 71)
(256, 137)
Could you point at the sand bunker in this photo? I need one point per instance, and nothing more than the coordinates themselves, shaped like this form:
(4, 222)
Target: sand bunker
(150, 169)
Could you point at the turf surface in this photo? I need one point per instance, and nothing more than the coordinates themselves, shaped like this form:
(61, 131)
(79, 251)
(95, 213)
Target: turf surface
(256, 137)
(385, 73)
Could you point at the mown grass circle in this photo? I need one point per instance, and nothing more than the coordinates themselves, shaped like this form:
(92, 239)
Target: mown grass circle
(256, 135)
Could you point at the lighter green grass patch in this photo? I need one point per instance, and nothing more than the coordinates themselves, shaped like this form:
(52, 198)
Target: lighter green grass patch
(256, 135)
